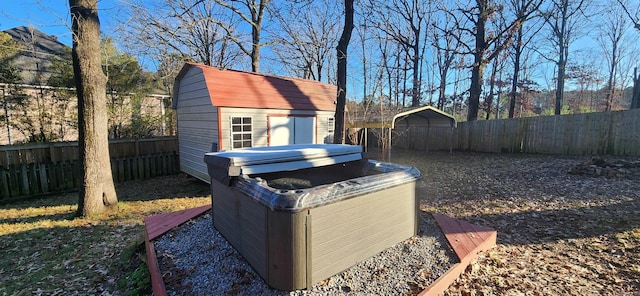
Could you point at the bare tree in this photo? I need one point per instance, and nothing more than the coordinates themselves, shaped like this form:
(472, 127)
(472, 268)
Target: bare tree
(254, 18)
(308, 34)
(633, 17)
(495, 86)
(563, 18)
(520, 42)
(97, 194)
(481, 16)
(405, 22)
(635, 99)
(586, 75)
(341, 52)
(445, 45)
(199, 30)
(612, 29)
(391, 67)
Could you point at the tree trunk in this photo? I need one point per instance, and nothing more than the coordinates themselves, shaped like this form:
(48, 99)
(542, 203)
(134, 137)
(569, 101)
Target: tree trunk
(475, 90)
(478, 61)
(443, 85)
(256, 29)
(341, 49)
(516, 70)
(97, 194)
(492, 84)
(635, 100)
(560, 84)
(563, 50)
(415, 90)
(612, 73)
(255, 51)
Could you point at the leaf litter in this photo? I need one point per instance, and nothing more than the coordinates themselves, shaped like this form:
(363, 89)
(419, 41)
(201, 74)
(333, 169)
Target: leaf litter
(558, 233)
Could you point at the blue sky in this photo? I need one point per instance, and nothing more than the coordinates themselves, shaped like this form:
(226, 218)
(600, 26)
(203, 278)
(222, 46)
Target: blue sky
(52, 17)
(49, 16)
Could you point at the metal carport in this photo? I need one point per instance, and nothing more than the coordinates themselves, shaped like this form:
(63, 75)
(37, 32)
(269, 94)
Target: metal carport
(426, 116)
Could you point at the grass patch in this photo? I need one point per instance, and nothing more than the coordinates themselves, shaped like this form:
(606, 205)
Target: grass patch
(133, 260)
(45, 251)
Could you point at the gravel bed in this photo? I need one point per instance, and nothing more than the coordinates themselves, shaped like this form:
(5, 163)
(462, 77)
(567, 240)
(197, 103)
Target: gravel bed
(195, 259)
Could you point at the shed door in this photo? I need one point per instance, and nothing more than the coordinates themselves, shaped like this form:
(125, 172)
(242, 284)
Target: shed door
(281, 130)
(305, 130)
(291, 130)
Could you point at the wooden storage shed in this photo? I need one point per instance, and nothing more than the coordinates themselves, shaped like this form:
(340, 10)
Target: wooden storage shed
(228, 109)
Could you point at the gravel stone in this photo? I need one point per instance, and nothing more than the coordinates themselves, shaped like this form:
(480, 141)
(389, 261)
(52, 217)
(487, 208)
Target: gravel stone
(195, 259)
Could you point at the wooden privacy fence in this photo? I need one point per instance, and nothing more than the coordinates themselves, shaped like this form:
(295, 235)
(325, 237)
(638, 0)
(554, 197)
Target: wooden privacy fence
(37, 169)
(68, 151)
(598, 133)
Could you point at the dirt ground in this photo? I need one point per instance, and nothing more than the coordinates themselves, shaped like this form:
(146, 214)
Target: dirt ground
(558, 233)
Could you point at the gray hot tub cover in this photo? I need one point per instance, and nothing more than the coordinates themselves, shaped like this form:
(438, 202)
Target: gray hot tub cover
(389, 175)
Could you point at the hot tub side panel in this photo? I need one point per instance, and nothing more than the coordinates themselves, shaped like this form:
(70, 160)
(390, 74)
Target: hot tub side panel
(355, 229)
(243, 222)
(287, 250)
(272, 242)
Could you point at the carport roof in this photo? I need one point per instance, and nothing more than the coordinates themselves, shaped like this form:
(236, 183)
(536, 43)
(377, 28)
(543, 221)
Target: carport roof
(425, 116)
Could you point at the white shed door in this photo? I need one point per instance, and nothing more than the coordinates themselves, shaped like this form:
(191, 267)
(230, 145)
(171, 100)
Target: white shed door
(281, 130)
(305, 130)
(291, 130)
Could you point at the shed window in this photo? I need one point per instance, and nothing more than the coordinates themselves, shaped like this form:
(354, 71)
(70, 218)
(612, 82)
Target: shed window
(331, 125)
(241, 132)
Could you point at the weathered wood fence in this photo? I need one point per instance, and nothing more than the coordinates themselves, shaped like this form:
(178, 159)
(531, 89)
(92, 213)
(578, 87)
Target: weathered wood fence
(599, 133)
(35, 169)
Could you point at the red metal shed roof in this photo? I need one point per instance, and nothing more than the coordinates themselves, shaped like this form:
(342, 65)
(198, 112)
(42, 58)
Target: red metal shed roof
(232, 88)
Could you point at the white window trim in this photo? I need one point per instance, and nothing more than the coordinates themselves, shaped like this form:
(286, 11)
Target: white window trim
(331, 124)
(231, 132)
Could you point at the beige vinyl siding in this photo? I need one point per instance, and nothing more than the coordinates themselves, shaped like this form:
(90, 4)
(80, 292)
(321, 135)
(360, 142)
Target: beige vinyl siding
(258, 121)
(323, 126)
(260, 125)
(197, 124)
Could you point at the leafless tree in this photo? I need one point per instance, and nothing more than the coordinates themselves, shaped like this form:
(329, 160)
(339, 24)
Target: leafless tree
(587, 76)
(309, 32)
(495, 86)
(564, 18)
(97, 194)
(200, 30)
(341, 52)
(252, 13)
(488, 40)
(405, 22)
(613, 26)
(520, 42)
(446, 46)
(633, 17)
(635, 99)
(394, 64)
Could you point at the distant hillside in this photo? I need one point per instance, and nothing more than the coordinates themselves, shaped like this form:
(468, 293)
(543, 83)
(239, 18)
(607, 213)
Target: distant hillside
(38, 50)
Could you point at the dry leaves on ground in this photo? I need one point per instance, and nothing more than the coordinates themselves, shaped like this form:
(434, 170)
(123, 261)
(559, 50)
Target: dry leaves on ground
(558, 233)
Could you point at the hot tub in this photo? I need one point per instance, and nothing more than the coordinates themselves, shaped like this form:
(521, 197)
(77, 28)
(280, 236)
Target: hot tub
(302, 213)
